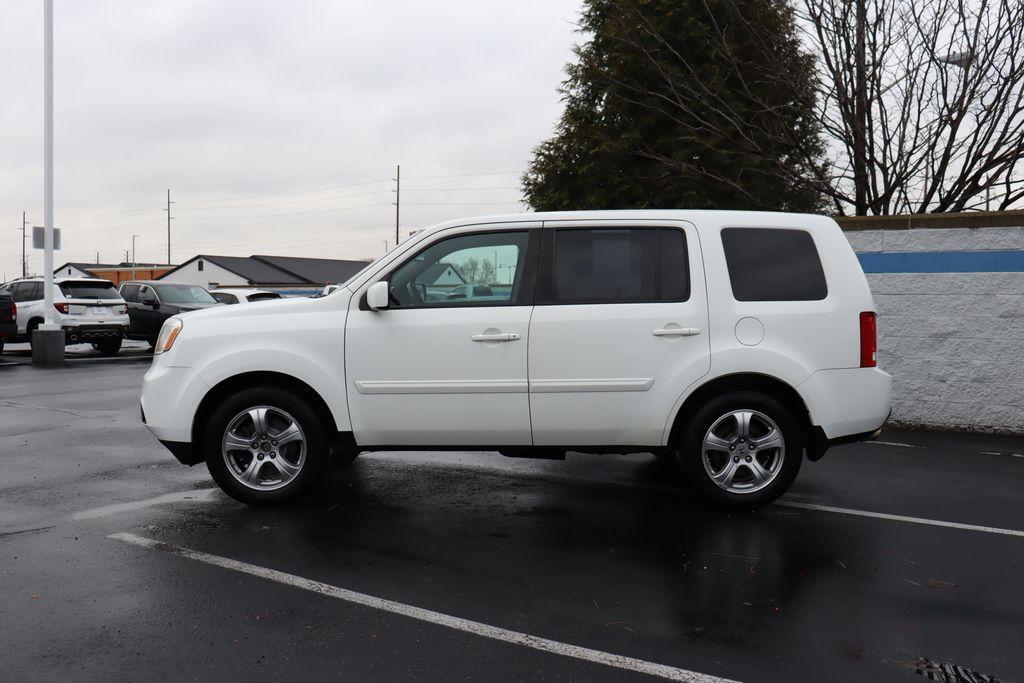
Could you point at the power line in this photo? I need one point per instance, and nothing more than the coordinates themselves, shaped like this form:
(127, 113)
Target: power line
(285, 194)
(291, 201)
(280, 215)
(464, 175)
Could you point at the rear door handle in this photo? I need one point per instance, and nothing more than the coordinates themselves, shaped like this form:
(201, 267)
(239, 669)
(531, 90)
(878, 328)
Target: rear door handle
(500, 337)
(675, 332)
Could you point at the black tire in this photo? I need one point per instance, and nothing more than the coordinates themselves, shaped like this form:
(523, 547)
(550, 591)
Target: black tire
(317, 445)
(108, 347)
(32, 325)
(690, 451)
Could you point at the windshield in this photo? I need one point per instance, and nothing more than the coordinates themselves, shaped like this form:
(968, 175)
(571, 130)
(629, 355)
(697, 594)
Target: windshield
(183, 294)
(89, 290)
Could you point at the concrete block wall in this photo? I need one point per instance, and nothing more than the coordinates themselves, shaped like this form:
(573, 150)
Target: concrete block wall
(953, 341)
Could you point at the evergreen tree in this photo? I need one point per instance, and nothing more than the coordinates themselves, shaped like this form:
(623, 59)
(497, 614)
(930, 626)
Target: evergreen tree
(684, 104)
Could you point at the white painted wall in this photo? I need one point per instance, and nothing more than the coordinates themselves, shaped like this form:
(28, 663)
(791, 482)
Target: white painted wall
(210, 277)
(953, 342)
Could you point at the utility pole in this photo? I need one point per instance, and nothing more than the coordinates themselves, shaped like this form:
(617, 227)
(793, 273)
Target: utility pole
(97, 257)
(385, 246)
(24, 258)
(398, 197)
(133, 256)
(168, 210)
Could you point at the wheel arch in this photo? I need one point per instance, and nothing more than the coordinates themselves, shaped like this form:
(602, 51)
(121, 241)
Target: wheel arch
(742, 381)
(247, 380)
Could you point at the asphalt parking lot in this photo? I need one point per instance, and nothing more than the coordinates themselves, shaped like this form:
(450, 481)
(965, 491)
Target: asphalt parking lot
(131, 350)
(886, 561)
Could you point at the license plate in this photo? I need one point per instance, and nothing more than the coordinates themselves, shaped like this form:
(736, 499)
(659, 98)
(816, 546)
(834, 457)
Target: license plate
(99, 310)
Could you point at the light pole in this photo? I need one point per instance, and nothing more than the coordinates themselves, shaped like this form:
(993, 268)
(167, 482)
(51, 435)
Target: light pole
(48, 338)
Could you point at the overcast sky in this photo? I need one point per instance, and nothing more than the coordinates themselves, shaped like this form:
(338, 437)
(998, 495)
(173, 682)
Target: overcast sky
(241, 107)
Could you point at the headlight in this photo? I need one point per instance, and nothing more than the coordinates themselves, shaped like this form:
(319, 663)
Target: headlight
(168, 333)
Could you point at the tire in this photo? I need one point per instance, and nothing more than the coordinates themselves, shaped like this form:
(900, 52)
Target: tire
(30, 329)
(283, 471)
(108, 347)
(713, 445)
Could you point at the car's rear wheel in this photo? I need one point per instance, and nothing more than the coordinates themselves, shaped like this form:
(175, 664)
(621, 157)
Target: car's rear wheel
(108, 347)
(32, 325)
(742, 449)
(265, 445)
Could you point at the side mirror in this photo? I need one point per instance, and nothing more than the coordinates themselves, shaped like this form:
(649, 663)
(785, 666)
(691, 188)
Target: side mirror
(377, 295)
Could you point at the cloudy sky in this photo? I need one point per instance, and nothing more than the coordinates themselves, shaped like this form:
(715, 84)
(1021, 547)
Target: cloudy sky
(276, 125)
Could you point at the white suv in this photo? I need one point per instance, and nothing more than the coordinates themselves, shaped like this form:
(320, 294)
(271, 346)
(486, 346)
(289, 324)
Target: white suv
(732, 343)
(89, 310)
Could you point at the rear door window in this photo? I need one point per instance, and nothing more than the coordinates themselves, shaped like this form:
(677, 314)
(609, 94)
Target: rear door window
(617, 265)
(130, 292)
(23, 291)
(773, 264)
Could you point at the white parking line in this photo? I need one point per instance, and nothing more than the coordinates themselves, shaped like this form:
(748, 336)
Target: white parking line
(901, 518)
(198, 496)
(455, 623)
(894, 443)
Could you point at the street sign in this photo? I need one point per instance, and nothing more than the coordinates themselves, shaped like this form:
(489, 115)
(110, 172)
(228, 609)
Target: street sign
(39, 237)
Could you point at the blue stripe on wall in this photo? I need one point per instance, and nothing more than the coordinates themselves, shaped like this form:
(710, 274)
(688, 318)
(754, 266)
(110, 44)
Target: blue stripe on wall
(943, 262)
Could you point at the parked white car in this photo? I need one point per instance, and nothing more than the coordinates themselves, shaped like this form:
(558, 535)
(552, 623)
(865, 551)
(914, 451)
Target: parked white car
(732, 343)
(242, 296)
(89, 310)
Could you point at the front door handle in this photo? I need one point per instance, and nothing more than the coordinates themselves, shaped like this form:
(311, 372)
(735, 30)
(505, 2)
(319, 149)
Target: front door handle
(675, 332)
(499, 337)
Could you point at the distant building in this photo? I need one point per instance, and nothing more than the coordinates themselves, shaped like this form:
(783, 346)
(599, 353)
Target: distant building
(285, 274)
(115, 272)
(441, 275)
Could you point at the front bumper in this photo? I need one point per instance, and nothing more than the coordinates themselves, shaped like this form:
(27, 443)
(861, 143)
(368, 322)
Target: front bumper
(170, 398)
(186, 453)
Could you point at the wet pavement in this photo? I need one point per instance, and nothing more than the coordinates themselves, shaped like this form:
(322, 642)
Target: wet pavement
(444, 565)
(76, 354)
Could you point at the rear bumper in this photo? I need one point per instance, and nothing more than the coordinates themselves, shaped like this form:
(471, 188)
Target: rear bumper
(847, 403)
(93, 333)
(820, 443)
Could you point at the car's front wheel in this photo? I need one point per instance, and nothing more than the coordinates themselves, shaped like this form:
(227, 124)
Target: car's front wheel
(265, 445)
(742, 449)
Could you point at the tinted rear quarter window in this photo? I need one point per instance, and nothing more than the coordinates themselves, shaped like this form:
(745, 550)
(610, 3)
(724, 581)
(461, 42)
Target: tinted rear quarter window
(130, 292)
(773, 264)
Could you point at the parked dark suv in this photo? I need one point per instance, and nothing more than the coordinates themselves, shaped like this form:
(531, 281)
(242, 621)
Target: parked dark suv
(151, 302)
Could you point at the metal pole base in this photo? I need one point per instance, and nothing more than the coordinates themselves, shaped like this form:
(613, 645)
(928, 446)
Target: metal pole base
(48, 347)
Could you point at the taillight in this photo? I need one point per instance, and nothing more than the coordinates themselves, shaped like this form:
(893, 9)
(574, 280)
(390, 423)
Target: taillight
(122, 309)
(868, 339)
(14, 310)
(63, 308)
